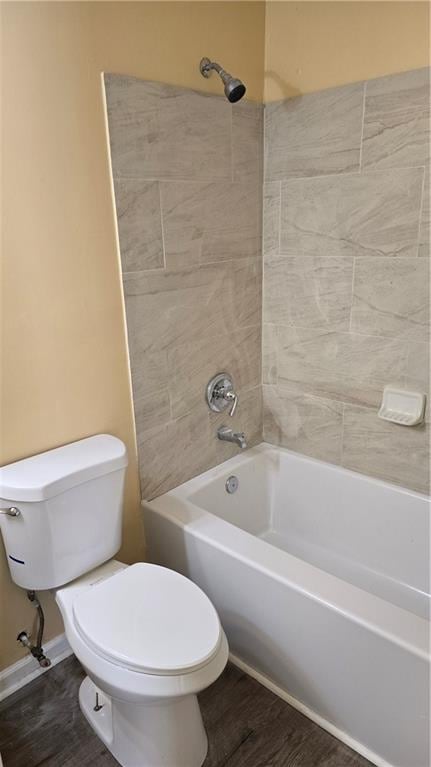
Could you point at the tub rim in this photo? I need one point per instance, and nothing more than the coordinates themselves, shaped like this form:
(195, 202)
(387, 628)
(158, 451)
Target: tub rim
(391, 622)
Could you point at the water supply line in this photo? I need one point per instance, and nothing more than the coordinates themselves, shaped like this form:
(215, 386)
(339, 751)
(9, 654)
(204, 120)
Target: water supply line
(35, 649)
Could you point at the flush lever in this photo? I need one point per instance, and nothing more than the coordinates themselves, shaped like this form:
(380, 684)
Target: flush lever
(12, 511)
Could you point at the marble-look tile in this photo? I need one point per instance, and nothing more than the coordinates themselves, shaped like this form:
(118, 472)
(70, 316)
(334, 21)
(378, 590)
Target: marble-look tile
(372, 214)
(248, 418)
(247, 141)
(346, 366)
(271, 217)
(151, 410)
(149, 368)
(269, 354)
(396, 120)
(385, 450)
(170, 454)
(187, 446)
(175, 306)
(159, 131)
(417, 377)
(203, 223)
(191, 366)
(425, 228)
(200, 312)
(139, 224)
(391, 297)
(316, 134)
(309, 292)
(309, 425)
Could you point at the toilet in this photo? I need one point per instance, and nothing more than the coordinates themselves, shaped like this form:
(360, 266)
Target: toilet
(148, 638)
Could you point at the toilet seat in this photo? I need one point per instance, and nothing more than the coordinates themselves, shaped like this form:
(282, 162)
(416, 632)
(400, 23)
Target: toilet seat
(148, 619)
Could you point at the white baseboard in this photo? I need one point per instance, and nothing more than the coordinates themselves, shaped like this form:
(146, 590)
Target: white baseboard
(323, 723)
(27, 669)
(24, 671)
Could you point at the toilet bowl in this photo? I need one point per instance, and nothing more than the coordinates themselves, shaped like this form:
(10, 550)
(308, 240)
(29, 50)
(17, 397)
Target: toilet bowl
(149, 640)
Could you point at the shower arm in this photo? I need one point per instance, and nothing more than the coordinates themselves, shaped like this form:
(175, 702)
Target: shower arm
(234, 89)
(206, 67)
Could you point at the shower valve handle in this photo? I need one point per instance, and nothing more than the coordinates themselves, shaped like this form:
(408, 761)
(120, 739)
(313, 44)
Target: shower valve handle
(220, 394)
(231, 397)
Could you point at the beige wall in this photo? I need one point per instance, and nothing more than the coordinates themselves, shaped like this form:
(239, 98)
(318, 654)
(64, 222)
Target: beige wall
(316, 45)
(64, 359)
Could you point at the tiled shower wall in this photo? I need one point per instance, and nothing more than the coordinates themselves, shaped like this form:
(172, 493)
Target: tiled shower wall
(346, 272)
(187, 172)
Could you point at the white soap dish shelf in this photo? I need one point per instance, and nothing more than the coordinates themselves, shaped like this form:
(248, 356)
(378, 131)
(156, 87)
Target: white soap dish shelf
(406, 408)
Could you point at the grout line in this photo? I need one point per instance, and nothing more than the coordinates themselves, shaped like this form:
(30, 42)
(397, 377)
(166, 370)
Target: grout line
(264, 186)
(328, 331)
(421, 209)
(162, 225)
(343, 413)
(363, 125)
(262, 315)
(238, 260)
(287, 387)
(167, 179)
(174, 419)
(154, 271)
(286, 179)
(192, 267)
(368, 172)
(322, 259)
(264, 153)
(352, 294)
(262, 298)
(279, 216)
(291, 179)
(262, 321)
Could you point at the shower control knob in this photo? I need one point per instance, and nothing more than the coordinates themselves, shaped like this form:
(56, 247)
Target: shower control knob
(221, 394)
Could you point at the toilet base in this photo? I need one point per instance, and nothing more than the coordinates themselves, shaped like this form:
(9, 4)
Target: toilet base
(158, 733)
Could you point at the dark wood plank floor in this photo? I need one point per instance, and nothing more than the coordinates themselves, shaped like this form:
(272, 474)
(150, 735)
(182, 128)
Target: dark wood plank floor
(41, 726)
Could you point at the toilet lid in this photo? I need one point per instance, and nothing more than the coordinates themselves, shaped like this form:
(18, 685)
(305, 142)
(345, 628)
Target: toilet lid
(150, 619)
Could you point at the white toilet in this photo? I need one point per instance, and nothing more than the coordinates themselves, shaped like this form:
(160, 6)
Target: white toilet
(148, 638)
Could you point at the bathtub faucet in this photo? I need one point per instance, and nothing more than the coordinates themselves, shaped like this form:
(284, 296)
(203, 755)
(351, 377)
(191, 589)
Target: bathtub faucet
(227, 435)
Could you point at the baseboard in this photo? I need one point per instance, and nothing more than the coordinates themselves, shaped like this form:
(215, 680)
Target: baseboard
(309, 713)
(27, 669)
(24, 671)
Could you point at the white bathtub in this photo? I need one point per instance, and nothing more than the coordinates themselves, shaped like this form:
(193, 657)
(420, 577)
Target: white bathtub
(321, 580)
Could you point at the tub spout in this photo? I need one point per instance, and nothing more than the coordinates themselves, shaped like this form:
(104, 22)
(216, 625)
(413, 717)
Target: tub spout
(227, 435)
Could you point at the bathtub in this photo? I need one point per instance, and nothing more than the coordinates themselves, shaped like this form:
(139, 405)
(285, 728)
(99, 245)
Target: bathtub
(321, 580)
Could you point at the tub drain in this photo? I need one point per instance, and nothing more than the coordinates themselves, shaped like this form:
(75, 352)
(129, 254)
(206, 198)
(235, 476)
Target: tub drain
(232, 484)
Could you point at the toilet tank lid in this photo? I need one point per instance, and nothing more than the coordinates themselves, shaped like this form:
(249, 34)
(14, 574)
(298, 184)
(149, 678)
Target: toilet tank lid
(47, 474)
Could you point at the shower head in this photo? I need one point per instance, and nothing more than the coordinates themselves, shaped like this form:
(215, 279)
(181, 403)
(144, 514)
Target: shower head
(234, 89)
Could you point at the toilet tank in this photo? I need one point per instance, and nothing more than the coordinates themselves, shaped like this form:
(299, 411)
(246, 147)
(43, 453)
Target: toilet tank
(70, 507)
